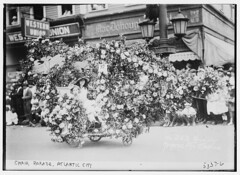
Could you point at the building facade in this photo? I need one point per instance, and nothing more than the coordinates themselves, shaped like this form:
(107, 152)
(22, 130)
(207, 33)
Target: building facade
(95, 22)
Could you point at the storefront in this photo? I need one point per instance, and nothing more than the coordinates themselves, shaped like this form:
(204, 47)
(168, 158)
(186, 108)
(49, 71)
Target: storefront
(201, 39)
(69, 29)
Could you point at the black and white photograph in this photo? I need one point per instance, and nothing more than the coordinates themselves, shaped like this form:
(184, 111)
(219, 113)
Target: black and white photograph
(119, 86)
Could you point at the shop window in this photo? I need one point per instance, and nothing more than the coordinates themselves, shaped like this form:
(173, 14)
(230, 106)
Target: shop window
(66, 10)
(97, 7)
(13, 16)
(39, 12)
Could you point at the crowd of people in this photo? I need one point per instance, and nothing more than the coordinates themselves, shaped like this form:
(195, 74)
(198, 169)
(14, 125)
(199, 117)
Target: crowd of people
(24, 108)
(22, 105)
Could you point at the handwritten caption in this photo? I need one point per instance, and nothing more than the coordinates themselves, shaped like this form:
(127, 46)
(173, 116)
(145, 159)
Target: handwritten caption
(52, 164)
(214, 164)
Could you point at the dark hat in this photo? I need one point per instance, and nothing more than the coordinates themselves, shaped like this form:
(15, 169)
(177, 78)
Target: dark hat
(25, 83)
(80, 79)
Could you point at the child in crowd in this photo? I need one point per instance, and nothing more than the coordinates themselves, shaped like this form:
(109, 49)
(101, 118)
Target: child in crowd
(217, 106)
(11, 116)
(189, 113)
(35, 111)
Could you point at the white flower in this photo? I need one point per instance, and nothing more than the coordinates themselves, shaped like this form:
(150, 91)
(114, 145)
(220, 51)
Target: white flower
(62, 125)
(106, 116)
(171, 96)
(159, 74)
(118, 51)
(107, 46)
(45, 120)
(165, 74)
(134, 59)
(47, 91)
(69, 125)
(144, 116)
(32, 59)
(69, 118)
(103, 52)
(127, 53)
(113, 107)
(124, 127)
(150, 70)
(136, 120)
(181, 91)
(132, 82)
(97, 45)
(58, 116)
(130, 126)
(135, 65)
(102, 81)
(57, 108)
(115, 115)
(47, 97)
(63, 111)
(155, 94)
(60, 99)
(125, 93)
(167, 96)
(116, 45)
(118, 131)
(29, 73)
(126, 119)
(103, 56)
(68, 107)
(95, 130)
(111, 131)
(129, 59)
(107, 91)
(123, 56)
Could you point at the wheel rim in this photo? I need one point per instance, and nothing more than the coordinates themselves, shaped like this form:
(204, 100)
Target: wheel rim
(95, 138)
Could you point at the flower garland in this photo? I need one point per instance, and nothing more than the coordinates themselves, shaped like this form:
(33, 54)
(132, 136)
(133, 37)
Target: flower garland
(131, 85)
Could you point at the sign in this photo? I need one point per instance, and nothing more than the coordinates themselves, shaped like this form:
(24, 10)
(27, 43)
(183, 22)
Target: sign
(114, 27)
(14, 37)
(130, 25)
(34, 28)
(65, 30)
(56, 31)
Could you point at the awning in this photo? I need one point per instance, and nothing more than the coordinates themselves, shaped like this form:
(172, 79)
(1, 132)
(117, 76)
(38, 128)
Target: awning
(217, 52)
(183, 56)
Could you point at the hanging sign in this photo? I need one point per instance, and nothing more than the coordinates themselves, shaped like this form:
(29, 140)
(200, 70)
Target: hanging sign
(35, 28)
(65, 30)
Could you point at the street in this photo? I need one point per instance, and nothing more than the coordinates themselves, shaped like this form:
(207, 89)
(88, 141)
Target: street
(199, 147)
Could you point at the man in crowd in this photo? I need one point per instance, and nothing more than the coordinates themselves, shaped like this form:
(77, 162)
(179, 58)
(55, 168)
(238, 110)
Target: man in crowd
(27, 97)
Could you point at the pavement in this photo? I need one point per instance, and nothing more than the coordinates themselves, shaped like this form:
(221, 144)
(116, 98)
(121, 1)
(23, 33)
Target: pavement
(201, 147)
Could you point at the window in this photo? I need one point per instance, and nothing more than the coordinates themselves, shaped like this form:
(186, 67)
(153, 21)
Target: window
(97, 7)
(38, 12)
(13, 16)
(66, 10)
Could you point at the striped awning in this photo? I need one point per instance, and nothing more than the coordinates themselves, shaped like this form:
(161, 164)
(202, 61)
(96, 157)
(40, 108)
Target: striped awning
(183, 56)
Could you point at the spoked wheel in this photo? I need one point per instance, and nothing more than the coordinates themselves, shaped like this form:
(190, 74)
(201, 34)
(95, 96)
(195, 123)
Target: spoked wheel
(73, 143)
(127, 140)
(95, 138)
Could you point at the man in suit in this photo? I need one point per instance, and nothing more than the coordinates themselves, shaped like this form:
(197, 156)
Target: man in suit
(27, 97)
(19, 102)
